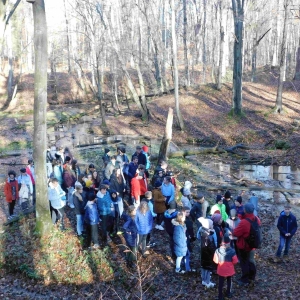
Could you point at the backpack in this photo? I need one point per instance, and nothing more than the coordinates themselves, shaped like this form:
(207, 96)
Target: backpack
(254, 239)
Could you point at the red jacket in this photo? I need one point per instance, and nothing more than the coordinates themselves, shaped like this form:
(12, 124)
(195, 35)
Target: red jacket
(225, 258)
(7, 190)
(138, 187)
(28, 171)
(242, 231)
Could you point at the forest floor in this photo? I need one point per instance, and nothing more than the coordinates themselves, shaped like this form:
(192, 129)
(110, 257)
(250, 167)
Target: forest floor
(31, 268)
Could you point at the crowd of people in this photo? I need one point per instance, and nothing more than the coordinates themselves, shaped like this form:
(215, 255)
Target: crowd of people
(121, 198)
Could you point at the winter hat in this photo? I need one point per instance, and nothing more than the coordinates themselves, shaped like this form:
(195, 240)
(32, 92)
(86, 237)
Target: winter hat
(186, 192)
(138, 148)
(23, 170)
(91, 166)
(88, 183)
(226, 239)
(219, 198)
(227, 195)
(187, 185)
(233, 212)
(249, 208)
(106, 150)
(148, 195)
(105, 181)
(206, 223)
(145, 148)
(216, 218)
(172, 204)
(157, 184)
(78, 186)
(239, 199)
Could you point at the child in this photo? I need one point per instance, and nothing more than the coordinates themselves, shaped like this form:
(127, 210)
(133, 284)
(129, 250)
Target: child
(11, 191)
(144, 222)
(25, 178)
(190, 235)
(225, 257)
(57, 198)
(149, 200)
(220, 207)
(233, 222)
(239, 207)
(220, 227)
(168, 190)
(206, 235)
(179, 238)
(24, 195)
(205, 206)
(91, 218)
(116, 212)
(159, 205)
(196, 211)
(130, 236)
(185, 199)
(169, 215)
(79, 203)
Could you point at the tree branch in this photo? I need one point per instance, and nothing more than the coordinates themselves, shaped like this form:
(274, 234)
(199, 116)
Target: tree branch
(11, 12)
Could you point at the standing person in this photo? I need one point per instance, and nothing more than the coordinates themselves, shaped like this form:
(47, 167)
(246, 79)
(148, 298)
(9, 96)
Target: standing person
(60, 155)
(205, 206)
(254, 200)
(233, 221)
(190, 235)
(117, 182)
(185, 199)
(138, 188)
(58, 171)
(57, 200)
(132, 168)
(130, 235)
(168, 190)
(225, 257)
(11, 192)
(158, 176)
(196, 211)
(96, 181)
(142, 160)
(148, 198)
(287, 226)
(169, 215)
(239, 207)
(220, 227)
(145, 150)
(220, 207)
(123, 160)
(79, 203)
(159, 205)
(30, 171)
(228, 202)
(116, 212)
(105, 206)
(90, 170)
(144, 223)
(91, 218)
(69, 182)
(246, 253)
(206, 235)
(25, 178)
(75, 169)
(106, 157)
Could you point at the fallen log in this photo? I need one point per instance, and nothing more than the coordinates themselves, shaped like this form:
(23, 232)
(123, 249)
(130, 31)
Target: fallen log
(17, 218)
(246, 180)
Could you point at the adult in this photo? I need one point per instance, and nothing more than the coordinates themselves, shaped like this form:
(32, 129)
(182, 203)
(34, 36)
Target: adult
(246, 253)
(158, 176)
(142, 160)
(113, 164)
(30, 171)
(138, 188)
(287, 226)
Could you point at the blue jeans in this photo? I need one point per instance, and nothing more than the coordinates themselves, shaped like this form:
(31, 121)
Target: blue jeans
(79, 225)
(186, 260)
(284, 240)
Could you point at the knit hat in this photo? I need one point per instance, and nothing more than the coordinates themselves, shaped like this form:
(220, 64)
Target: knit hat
(91, 166)
(187, 185)
(88, 183)
(216, 218)
(227, 195)
(249, 208)
(239, 199)
(172, 204)
(23, 170)
(105, 181)
(157, 184)
(186, 192)
(226, 239)
(206, 223)
(145, 148)
(106, 150)
(148, 195)
(219, 198)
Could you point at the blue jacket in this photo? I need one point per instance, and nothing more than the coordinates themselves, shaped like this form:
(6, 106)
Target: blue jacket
(104, 204)
(287, 224)
(91, 215)
(143, 222)
(130, 234)
(168, 190)
(55, 196)
(179, 238)
(132, 169)
(148, 164)
(25, 178)
(57, 171)
(168, 217)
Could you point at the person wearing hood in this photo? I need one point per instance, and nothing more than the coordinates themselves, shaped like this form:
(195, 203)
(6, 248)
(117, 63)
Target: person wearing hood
(91, 218)
(225, 257)
(79, 203)
(57, 198)
(105, 206)
(287, 226)
(116, 212)
(220, 207)
(180, 244)
(168, 190)
(185, 199)
(169, 215)
(11, 192)
(206, 235)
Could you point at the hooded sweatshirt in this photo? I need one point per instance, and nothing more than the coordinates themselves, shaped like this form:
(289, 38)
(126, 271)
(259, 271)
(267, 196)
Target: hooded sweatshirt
(104, 203)
(225, 257)
(168, 190)
(287, 224)
(55, 195)
(169, 215)
(91, 215)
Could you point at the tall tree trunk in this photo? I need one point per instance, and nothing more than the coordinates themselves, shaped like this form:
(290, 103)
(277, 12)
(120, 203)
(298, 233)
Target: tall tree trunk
(186, 61)
(277, 37)
(238, 15)
(278, 106)
(142, 87)
(222, 45)
(204, 43)
(176, 84)
(100, 96)
(68, 38)
(10, 61)
(159, 83)
(43, 220)
(297, 72)
(163, 150)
